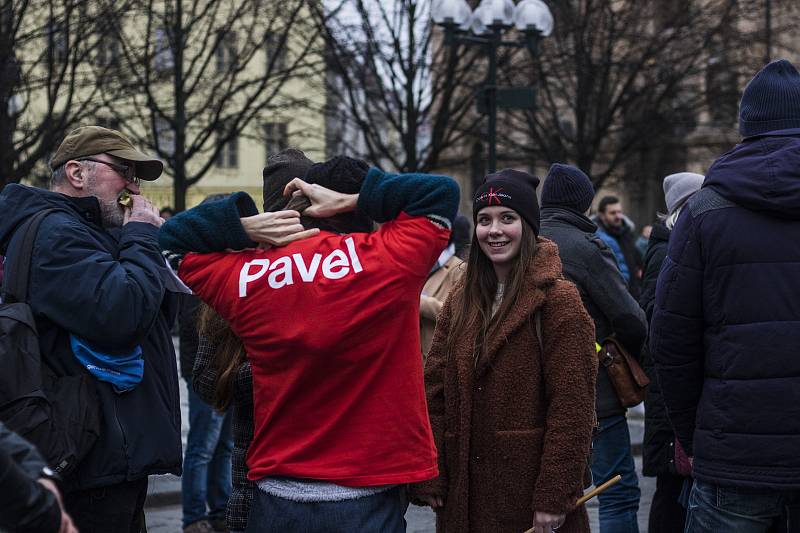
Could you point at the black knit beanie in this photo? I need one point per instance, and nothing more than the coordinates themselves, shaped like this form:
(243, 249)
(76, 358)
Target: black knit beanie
(282, 168)
(771, 101)
(345, 175)
(567, 186)
(510, 188)
(341, 174)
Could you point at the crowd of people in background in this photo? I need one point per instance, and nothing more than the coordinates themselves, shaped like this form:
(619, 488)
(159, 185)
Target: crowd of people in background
(358, 345)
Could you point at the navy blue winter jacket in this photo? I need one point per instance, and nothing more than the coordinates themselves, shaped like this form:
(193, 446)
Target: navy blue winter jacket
(725, 333)
(104, 287)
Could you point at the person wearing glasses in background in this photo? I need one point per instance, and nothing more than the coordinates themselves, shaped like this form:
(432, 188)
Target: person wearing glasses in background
(98, 292)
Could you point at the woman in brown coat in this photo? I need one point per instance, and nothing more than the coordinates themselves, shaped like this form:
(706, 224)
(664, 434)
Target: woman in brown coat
(510, 379)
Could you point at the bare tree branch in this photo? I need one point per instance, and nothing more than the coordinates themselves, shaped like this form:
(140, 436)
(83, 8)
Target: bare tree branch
(47, 85)
(397, 94)
(609, 76)
(199, 78)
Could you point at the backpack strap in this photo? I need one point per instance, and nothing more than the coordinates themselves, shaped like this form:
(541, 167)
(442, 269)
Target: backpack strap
(15, 285)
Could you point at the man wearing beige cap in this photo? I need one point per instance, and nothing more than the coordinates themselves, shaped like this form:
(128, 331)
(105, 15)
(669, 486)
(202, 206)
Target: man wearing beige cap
(95, 161)
(107, 412)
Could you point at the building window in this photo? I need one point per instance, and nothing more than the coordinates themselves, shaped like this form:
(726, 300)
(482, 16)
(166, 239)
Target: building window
(671, 13)
(276, 53)
(165, 137)
(109, 47)
(59, 43)
(721, 89)
(276, 138)
(228, 156)
(108, 54)
(225, 52)
(164, 60)
(111, 123)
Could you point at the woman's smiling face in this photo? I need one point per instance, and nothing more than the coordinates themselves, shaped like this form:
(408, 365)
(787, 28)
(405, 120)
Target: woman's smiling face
(499, 233)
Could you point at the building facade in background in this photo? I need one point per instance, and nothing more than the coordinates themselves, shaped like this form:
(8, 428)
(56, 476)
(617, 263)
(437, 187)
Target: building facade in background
(214, 95)
(210, 87)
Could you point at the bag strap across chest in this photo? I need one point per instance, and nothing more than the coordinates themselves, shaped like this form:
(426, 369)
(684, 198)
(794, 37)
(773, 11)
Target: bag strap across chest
(18, 266)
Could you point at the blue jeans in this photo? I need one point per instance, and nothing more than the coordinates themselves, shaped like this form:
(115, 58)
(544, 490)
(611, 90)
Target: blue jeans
(611, 455)
(379, 513)
(744, 510)
(207, 463)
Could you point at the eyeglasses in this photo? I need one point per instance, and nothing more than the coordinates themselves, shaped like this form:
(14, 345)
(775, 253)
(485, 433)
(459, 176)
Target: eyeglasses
(126, 171)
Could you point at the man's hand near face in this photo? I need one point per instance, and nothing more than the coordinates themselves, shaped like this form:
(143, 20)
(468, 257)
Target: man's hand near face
(142, 210)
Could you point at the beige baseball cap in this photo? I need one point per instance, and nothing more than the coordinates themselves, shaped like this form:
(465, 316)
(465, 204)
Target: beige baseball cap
(93, 140)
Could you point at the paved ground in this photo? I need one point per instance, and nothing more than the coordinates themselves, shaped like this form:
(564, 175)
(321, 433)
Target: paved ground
(164, 512)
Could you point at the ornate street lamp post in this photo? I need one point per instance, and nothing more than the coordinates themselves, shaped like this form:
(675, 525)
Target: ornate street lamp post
(485, 27)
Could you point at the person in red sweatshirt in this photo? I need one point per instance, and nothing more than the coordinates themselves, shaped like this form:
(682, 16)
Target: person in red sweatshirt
(329, 323)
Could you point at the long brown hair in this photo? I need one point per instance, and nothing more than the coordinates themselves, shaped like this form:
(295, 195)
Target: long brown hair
(472, 307)
(229, 354)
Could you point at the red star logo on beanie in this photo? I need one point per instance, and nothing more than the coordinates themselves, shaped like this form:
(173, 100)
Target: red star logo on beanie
(493, 195)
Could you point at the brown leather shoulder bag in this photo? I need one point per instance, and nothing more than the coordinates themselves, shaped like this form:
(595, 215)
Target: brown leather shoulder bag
(627, 376)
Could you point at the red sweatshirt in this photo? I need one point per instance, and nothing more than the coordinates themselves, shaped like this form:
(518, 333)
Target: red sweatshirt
(331, 328)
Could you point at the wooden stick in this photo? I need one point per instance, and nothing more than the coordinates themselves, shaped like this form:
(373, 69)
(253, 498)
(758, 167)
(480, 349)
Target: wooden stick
(589, 495)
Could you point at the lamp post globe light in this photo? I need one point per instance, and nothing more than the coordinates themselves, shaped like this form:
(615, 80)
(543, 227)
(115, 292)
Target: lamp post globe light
(530, 15)
(497, 13)
(485, 27)
(451, 12)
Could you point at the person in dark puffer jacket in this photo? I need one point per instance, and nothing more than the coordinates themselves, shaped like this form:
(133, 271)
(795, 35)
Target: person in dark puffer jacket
(97, 275)
(725, 333)
(659, 453)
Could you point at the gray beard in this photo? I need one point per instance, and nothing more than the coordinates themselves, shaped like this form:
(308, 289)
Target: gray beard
(111, 214)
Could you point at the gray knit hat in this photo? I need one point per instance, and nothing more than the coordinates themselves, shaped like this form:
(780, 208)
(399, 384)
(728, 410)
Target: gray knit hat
(679, 187)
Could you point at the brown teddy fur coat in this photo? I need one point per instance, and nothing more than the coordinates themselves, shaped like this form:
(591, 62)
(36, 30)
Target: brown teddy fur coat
(514, 431)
